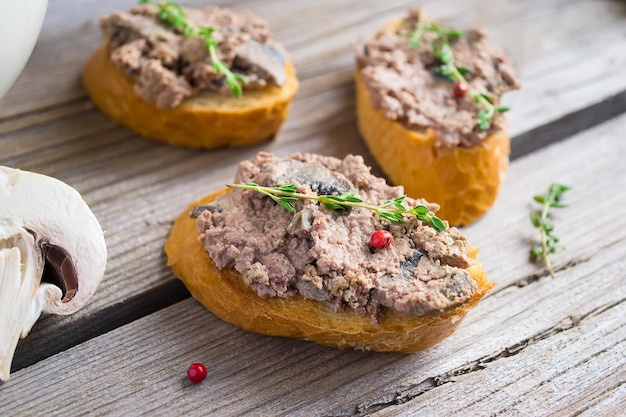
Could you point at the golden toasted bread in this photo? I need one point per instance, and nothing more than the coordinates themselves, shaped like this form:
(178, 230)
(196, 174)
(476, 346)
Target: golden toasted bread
(227, 296)
(208, 120)
(464, 181)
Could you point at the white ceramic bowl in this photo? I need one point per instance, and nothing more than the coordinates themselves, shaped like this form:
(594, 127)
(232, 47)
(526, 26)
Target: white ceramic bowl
(19, 29)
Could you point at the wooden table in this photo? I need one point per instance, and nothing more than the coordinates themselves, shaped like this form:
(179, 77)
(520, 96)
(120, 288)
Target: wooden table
(534, 346)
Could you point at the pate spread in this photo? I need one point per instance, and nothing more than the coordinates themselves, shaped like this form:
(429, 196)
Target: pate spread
(324, 254)
(168, 67)
(403, 82)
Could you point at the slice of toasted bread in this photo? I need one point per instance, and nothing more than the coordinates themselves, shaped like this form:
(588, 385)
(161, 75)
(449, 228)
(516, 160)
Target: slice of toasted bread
(209, 120)
(463, 181)
(227, 296)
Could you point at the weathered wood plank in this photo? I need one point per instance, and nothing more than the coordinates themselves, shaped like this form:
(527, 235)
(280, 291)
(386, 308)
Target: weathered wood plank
(296, 377)
(136, 187)
(564, 68)
(301, 378)
(123, 177)
(591, 163)
(563, 374)
(530, 348)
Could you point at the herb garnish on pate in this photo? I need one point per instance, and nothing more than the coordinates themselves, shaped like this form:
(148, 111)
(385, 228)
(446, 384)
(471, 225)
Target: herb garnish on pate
(172, 14)
(440, 39)
(391, 210)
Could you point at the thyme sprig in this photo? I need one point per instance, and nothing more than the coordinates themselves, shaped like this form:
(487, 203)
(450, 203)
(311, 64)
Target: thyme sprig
(541, 220)
(391, 210)
(440, 44)
(172, 14)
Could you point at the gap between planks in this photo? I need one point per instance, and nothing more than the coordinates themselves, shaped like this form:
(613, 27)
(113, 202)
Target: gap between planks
(543, 348)
(37, 346)
(549, 135)
(257, 375)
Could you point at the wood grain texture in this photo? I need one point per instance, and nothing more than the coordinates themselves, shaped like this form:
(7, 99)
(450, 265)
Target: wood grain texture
(136, 187)
(535, 346)
(565, 370)
(546, 39)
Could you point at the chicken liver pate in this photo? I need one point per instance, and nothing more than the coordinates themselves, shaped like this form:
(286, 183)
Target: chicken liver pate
(403, 82)
(168, 67)
(324, 254)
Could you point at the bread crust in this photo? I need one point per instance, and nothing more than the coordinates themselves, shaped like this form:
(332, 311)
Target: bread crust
(209, 120)
(463, 181)
(225, 294)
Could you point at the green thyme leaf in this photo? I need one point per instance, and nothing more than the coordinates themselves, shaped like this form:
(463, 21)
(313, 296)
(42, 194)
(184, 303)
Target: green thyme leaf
(450, 33)
(288, 188)
(398, 205)
(333, 206)
(464, 71)
(422, 210)
(284, 203)
(351, 198)
(478, 97)
(534, 218)
(447, 71)
(437, 224)
(444, 54)
(484, 118)
(392, 217)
